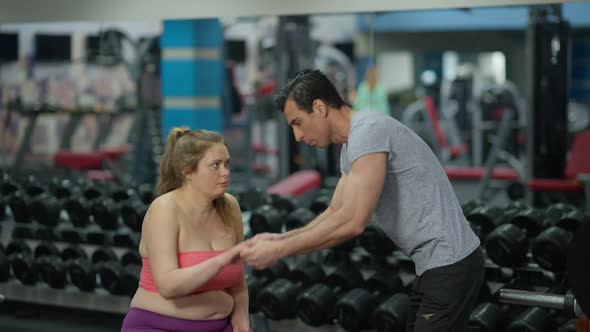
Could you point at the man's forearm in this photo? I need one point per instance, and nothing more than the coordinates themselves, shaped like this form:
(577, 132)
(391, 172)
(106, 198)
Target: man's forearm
(336, 228)
(310, 225)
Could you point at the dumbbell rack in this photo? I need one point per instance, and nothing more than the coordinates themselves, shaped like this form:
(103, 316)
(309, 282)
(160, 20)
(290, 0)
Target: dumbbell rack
(100, 300)
(69, 297)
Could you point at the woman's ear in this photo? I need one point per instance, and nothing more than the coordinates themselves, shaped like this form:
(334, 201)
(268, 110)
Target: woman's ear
(186, 174)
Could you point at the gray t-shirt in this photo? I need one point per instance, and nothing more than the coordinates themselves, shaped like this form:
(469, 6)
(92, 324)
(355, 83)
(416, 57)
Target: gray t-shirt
(417, 209)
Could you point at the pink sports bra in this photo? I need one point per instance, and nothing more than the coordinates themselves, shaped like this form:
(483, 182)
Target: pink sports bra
(227, 277)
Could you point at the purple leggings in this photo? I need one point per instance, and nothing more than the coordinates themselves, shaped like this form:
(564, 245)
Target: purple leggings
(139, 320)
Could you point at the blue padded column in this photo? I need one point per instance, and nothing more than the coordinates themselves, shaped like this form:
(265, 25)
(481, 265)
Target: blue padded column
(192, 74)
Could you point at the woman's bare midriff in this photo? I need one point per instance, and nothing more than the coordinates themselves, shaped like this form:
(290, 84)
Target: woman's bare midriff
(202, 306)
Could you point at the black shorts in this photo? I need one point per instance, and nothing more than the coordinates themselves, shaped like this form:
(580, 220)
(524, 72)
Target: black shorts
(442, 298)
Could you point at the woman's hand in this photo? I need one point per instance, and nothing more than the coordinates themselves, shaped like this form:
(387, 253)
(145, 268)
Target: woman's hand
(240, 322)
(232, 255)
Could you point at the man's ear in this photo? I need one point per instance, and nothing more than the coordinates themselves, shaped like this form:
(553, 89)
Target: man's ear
(320, 107)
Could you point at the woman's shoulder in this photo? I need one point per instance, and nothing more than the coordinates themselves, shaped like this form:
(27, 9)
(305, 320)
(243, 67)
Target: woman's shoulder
(163, 204)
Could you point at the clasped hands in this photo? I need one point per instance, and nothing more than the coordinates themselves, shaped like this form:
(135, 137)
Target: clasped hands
(260, 252)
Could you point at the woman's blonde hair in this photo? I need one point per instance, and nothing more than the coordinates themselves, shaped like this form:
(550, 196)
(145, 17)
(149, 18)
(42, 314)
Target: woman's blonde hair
(184, 149)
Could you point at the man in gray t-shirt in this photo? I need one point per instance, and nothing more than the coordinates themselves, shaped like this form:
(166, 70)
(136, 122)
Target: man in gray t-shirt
(391, 176)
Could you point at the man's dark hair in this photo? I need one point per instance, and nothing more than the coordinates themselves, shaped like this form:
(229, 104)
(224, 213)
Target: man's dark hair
(307, 86)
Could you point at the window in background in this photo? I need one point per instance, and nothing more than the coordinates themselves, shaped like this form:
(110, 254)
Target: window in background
(8, 47)
(53, 48)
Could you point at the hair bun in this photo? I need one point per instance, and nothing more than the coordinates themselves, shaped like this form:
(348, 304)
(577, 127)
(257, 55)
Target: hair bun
(180, 132)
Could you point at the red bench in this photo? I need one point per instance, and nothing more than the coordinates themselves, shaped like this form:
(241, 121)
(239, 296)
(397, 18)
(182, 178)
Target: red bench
(297, 184)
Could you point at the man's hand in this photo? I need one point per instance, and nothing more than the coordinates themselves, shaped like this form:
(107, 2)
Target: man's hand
(262, 254)
(267, 236)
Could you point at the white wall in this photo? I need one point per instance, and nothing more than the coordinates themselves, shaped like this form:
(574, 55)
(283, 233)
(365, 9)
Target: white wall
(87, 10)
(396, 70)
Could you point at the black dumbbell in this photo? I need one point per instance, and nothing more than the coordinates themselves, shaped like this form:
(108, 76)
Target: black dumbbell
(96, 235)
(487, 317)
(3, 205)
(316, 305)
(355, 307)
(131, 257)
(485, 293)
(508, 244)
(78, 210)
(8, 186)
(46, 233)
(535, 319)
(132, 213)
(18, 246)
(41, 205)
(129, 207)
(60, 194)
(45, 209)
(490, 316)
(46, 249)
(70, 234)
(62, 187)
(145, 192)
(119, 193)
(4, 267)
(51, 269)
(54, 268)
(298, 218)
(121, 278)
(83, 272)
(485, 219)
(554, 212)
(532, 320)
(105, 213)
(22, 263)
(124, 237)
(258, 279)
(340, 254)
(18, 207)
(266, 218)
(374, 240)
(320, 203)
(252, 198)
(470, 205)
(283, 203)
(392, 314)
(277, 299)
(23, 231)
(73, 252)
(104, 254)
(550, 248)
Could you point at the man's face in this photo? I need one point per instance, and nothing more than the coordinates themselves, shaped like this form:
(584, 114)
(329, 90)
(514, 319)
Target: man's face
(307, 127)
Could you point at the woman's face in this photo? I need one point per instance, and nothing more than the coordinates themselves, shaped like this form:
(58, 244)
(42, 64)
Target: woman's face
(212, 174)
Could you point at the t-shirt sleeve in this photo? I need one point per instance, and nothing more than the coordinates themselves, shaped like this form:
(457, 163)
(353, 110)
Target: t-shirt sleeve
(368, 137)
